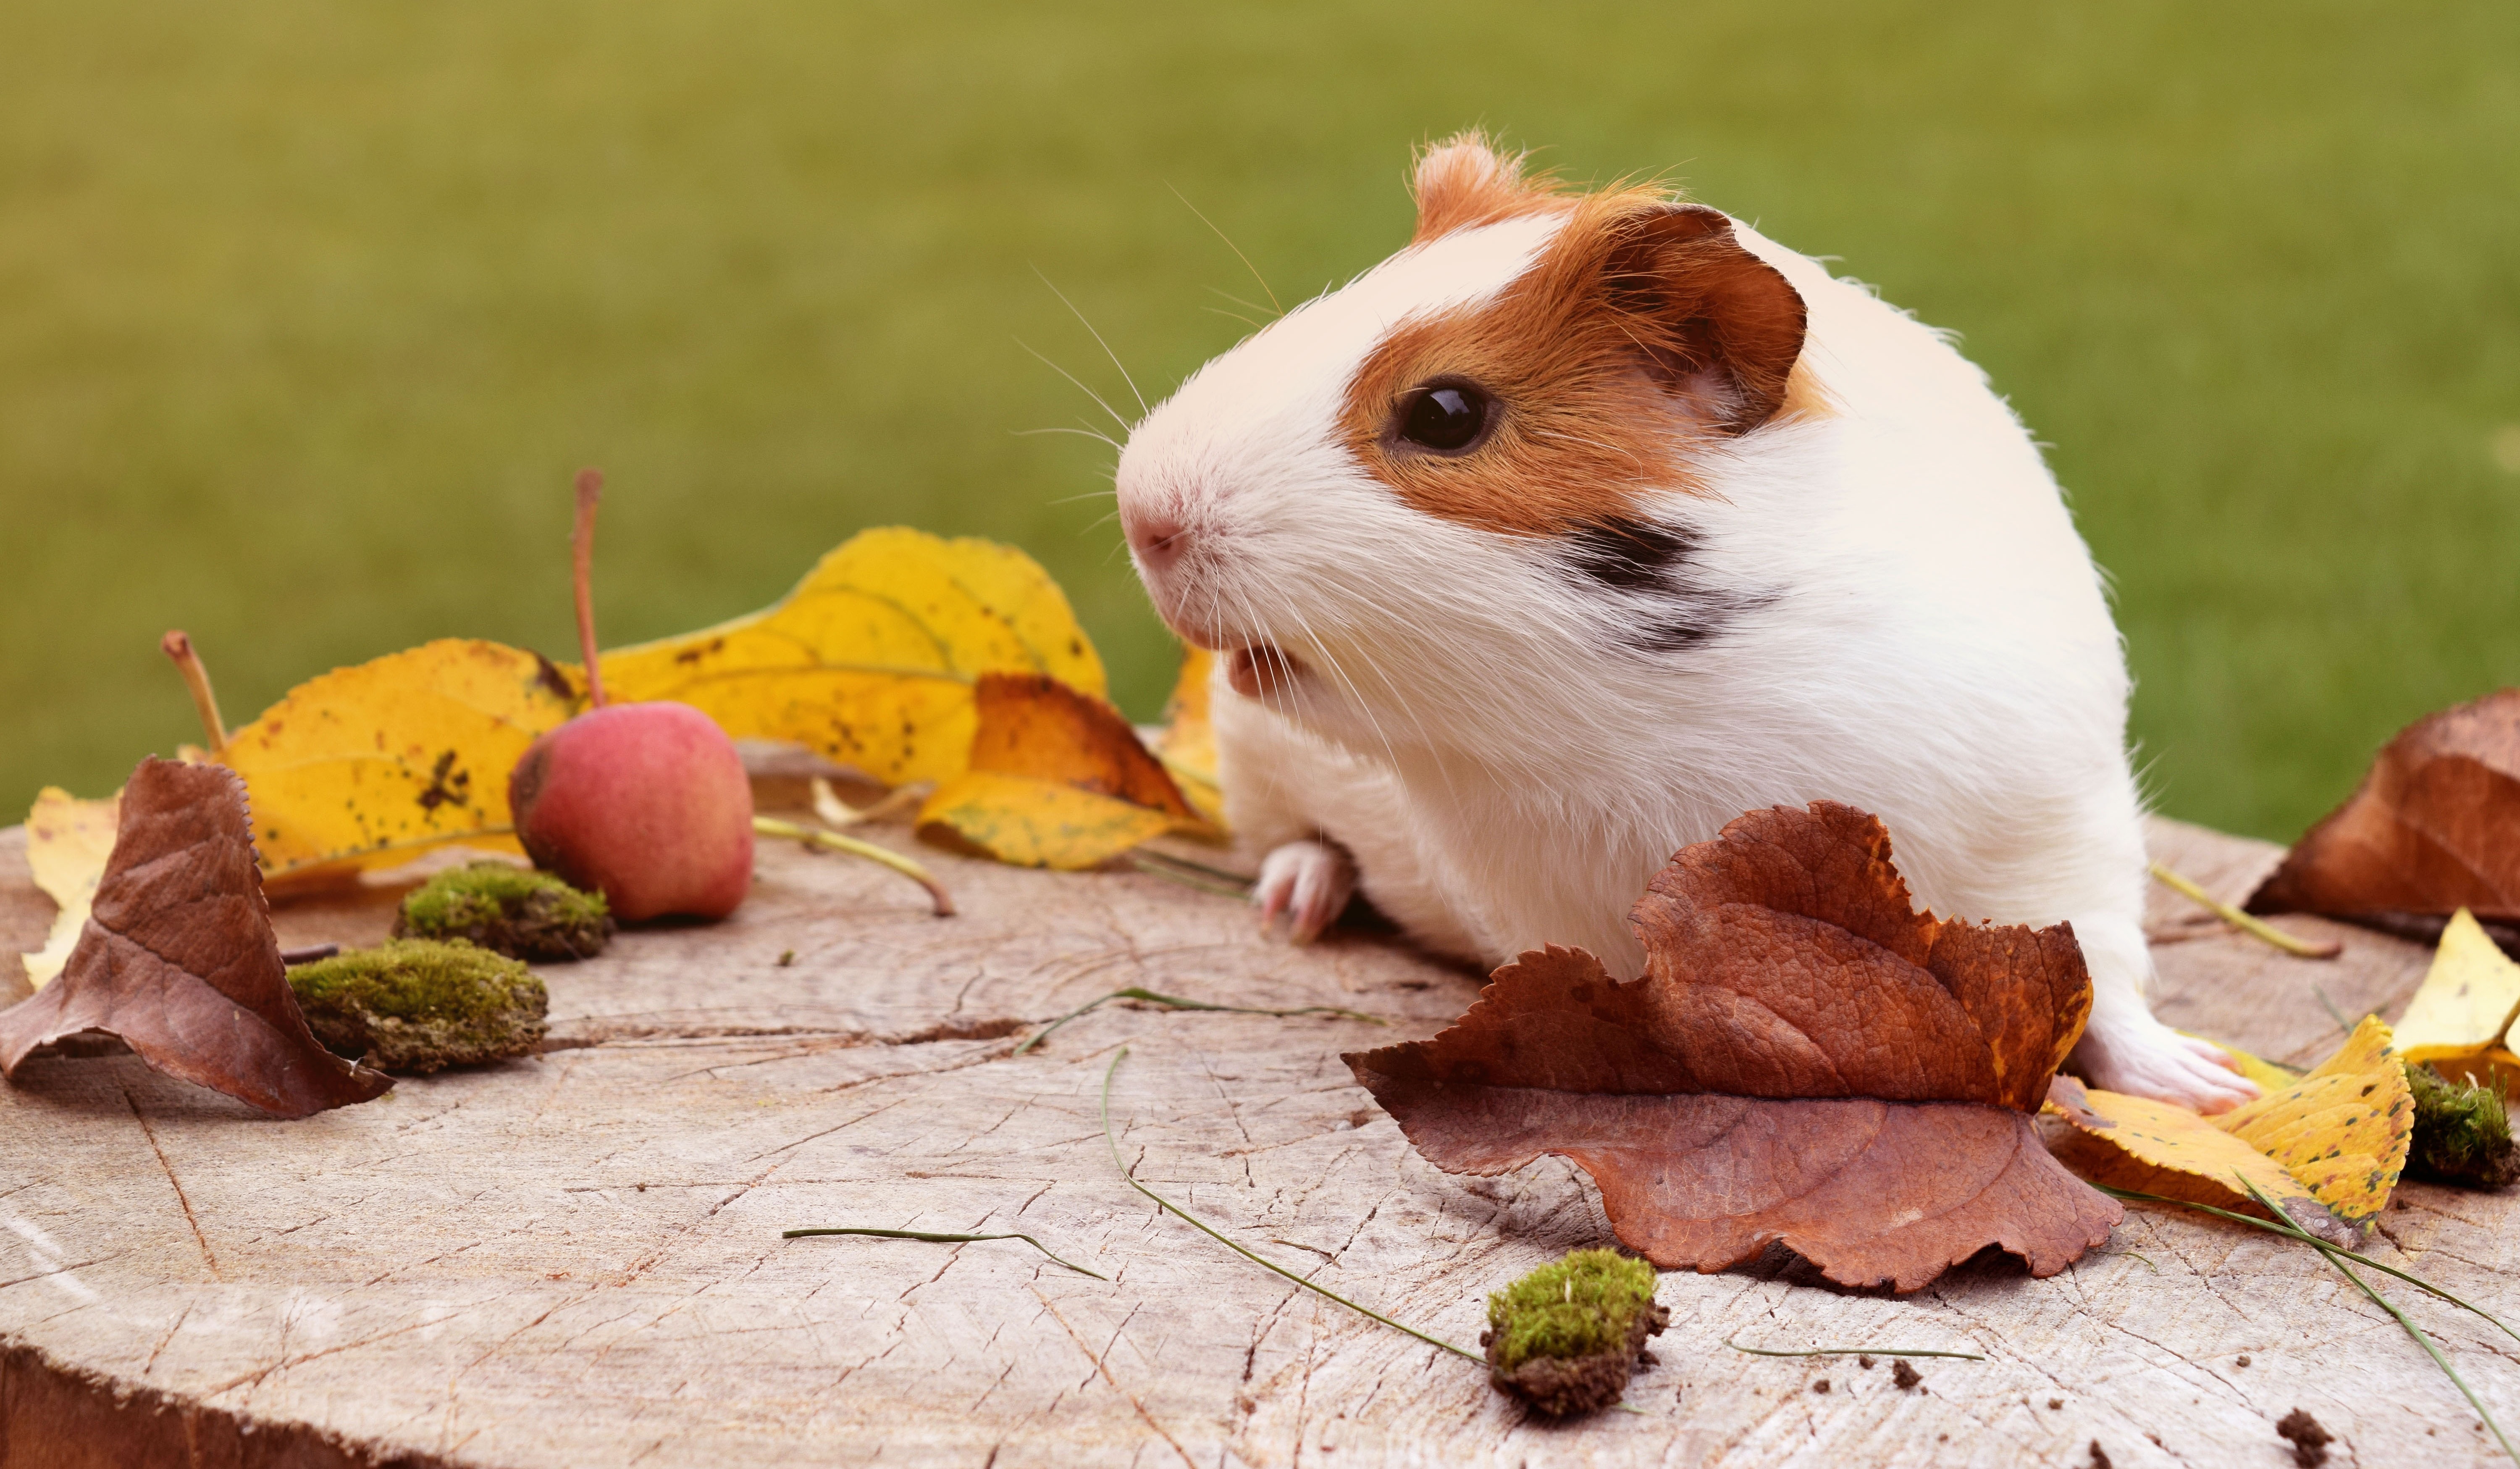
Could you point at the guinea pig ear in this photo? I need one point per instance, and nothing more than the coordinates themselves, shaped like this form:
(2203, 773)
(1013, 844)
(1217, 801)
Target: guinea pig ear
(1717, 322)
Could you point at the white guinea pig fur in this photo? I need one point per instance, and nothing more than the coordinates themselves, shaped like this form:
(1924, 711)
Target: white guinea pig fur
(1589, 520)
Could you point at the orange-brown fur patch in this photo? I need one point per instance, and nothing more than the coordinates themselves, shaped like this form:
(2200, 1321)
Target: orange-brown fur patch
(1464, 182)
(1642, 332)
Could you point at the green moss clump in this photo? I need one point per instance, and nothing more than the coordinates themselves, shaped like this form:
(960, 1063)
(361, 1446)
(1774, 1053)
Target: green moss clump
(1566, 1337)
(2462, 1132)
(417, 1005)
(525, 915)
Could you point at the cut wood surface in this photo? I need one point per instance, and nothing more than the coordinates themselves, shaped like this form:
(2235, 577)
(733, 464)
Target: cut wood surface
(576, 1260)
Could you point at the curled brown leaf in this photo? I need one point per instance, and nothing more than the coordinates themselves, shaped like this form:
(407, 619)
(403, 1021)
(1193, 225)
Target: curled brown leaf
(177, 957)
(1806, 1059)
(2434, 827)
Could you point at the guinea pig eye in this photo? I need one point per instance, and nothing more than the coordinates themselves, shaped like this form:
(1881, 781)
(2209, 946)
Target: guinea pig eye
(1444, 416)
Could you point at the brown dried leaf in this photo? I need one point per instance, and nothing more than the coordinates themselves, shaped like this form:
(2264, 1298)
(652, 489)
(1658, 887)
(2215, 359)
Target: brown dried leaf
(178, 959)
(2434, 827)
(1806, 1059)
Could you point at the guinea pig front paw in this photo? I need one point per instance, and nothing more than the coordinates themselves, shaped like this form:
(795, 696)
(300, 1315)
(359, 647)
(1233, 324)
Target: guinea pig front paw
(1310, 882)
(2152, 1060)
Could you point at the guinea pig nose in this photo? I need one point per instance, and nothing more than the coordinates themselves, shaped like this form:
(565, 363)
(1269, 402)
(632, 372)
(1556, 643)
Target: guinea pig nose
(1156, 539)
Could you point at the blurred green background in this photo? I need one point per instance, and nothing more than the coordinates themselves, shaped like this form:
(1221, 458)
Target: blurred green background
(307, 310)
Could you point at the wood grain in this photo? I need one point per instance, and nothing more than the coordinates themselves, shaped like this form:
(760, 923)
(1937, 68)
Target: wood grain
(576, 1260)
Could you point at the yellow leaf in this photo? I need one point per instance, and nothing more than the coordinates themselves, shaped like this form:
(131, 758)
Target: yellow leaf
(872, 658)
(2466, 1002)
(2160, 1148)
(2343, 1129)
(2268, 1074)
(2337, 1134)
(1186, 744)
(2496, 1070)
(366, 766)
(1032, 822)
(67, 842)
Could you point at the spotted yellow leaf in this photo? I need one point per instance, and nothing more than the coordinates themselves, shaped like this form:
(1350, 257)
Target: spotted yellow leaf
(67, 841)
(368, 765)
(1187, 743)
(2160, 1148)
(2343, 1128)
(2337, 1134)
(872, 658)
(2466, 1002)
(1033, 822)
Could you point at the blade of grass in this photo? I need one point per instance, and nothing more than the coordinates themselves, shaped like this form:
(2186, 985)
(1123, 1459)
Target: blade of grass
(2333, 1013)
(1176, 1002)
(771, 826)
(2255, 927)
(1851, 1352)
(2421, 1338)
(2293, 1231)
(940, 1239)
(1188, 876)
(1240, 882)
(1179, 1213)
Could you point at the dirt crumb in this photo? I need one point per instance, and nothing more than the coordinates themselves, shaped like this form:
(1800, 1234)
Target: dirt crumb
(2054, 1403)
(1821, 1386)
(1907, 1377)
(1866, 1363)
(2099, 1456)
(2244, 1359)
(2309, 1440)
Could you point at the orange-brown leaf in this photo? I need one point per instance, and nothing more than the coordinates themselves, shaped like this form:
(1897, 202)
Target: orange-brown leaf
(1033, 725)
(177, 957)
(2435, 827)
(1806, 1059)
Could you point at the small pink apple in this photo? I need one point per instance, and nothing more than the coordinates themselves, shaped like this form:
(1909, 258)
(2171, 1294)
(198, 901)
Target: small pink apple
(645, 802)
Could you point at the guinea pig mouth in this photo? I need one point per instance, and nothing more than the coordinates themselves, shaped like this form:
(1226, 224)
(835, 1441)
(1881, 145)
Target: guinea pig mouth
(1257, 670)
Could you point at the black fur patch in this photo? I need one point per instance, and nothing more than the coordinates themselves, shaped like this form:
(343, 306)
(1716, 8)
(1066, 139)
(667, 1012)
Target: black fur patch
(1677, 611)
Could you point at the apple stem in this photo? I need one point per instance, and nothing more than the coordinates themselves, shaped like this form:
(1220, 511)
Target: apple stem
(581, 555)
(941, 900)
(177, 645)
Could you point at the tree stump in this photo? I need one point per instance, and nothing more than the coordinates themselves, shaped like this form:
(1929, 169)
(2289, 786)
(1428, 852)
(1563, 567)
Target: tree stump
(576, 1260)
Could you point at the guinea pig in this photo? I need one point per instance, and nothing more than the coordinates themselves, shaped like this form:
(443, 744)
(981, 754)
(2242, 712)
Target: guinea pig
(1592, 520)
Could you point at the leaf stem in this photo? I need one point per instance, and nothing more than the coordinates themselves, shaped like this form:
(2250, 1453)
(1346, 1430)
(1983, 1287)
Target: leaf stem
(581, 561)
(2255, 927)
(941, 1239)
(1184, 1216)
(2421, 1339)
(771, 826)
(178, 645)
(1176, 1002)
(1852, 1352)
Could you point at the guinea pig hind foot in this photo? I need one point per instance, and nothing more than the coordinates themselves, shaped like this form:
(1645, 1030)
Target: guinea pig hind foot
(2148, 1059)
(1308, 882)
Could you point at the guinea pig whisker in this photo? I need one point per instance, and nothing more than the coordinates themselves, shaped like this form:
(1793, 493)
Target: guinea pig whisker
(1426, 736)
(1237, 253)
(1098, 341)
(1247, 305)
(1232, 316)
(1080, 385)
(1079, 433)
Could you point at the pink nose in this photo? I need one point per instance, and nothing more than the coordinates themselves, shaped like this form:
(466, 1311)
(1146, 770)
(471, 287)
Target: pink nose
(1156, 539)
